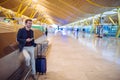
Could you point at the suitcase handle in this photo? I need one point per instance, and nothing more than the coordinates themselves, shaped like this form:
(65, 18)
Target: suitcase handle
(39, 51)
(39, 48)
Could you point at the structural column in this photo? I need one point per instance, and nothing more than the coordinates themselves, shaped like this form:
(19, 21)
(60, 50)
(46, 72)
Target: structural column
(118, 31)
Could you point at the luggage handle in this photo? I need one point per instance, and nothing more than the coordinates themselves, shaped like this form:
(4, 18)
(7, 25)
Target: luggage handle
(39, 53)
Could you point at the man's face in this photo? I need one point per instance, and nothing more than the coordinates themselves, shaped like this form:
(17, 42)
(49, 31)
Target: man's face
(29, 24)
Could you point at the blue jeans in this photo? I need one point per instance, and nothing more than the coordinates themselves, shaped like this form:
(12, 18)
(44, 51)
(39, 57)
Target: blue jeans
(28, 53)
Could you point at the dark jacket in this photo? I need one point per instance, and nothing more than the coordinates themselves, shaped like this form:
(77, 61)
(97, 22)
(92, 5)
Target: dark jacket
(22, 36)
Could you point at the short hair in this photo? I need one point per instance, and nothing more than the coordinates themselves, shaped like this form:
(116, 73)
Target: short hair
(28, 20)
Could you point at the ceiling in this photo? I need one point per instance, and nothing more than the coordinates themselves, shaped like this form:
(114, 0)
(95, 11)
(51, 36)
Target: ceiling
(60, 11)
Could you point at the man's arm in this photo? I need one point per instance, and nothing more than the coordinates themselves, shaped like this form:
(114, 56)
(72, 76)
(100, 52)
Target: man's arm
(19, 34)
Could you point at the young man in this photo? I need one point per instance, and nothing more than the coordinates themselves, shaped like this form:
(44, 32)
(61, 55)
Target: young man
(25, 38)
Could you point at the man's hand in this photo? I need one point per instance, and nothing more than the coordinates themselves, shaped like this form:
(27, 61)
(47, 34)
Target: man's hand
(29, 39)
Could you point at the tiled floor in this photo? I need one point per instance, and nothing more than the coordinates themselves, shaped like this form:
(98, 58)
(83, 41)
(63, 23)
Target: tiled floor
(80, 59)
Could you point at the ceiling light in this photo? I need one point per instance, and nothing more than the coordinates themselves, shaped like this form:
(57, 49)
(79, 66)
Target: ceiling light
(110, 13)
(35, 0)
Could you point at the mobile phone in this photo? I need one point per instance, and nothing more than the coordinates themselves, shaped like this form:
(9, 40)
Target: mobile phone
(31, 38)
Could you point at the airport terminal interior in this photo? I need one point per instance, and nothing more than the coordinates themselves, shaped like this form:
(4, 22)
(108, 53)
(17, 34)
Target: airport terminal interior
(79, 39)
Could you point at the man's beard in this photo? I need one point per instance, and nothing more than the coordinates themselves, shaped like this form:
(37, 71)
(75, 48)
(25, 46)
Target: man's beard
(29, 27)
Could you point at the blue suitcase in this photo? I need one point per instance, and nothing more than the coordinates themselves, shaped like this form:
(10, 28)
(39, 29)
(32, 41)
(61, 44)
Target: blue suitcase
(41, 65)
